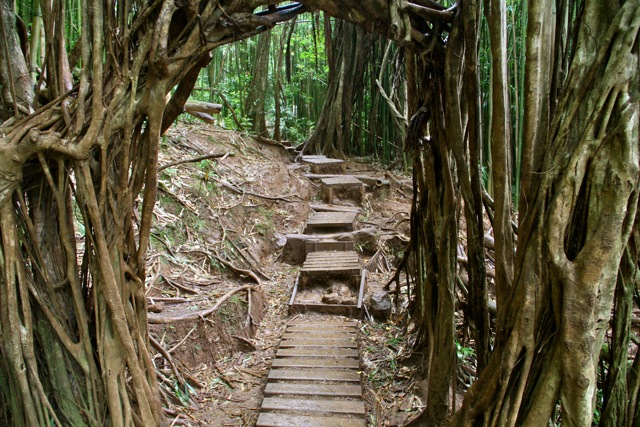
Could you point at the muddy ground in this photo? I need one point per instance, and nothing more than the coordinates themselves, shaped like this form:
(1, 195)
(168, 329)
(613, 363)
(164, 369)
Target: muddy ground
(216, 261)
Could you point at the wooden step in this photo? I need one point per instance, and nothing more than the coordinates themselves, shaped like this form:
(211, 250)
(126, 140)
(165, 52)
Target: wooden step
(337, 390)
(325, 207)
(346, 188)
(317, 352)
(347, 180)
(313, 362)
(324, 324)
(324, 165)
(311, 342)
(330, 222)
(324, 245)
(315, 378)
(321, 329)
(331, 263)
(353, 407)
(327, 334)
(285, 420)
(313, 375)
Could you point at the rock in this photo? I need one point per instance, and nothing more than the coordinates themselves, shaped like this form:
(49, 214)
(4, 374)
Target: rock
(342, 290)
(281, 240)
(380, 304)
(349, 300)
(332, 299)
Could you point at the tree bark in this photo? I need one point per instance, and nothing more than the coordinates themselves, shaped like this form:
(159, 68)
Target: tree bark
(255, 104)
(584, 210)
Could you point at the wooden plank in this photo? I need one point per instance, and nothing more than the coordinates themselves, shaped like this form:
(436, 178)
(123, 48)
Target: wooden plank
(316, 330)
(350, 310)
(332, 217)
(319, 374)
(320, 271)
(301, 335)
(324, 245)
(308, 157)
(319, 342)
(341, 180)
(341, 268)
(317, 352)
(350, 255)
(337, 262)
(337, 390)
(316, 362)
(367, 179)
(353, 407)
(323, 323)
(323, 207)
(286, 420)
(321, 160)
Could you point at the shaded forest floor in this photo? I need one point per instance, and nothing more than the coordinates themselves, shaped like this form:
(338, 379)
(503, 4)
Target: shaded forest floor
(219, 229)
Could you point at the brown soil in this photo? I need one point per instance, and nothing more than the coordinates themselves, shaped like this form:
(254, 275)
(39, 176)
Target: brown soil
(219, 225)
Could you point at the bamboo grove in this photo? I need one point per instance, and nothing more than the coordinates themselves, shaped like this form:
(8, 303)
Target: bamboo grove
(525, 111)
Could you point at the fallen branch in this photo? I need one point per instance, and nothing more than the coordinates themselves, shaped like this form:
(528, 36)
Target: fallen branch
(243, 192)
(397, 181)
(164, 320)
(202, 107)
(204, 117)
(194, 159)
(283, 144)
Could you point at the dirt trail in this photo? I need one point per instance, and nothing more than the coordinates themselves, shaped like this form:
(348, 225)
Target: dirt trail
(219, 227)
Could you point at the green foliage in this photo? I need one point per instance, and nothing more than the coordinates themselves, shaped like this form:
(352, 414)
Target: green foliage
(298, 83)
(465, 354)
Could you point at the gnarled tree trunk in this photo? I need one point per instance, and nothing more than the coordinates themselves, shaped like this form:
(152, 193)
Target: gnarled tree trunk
(578, 221)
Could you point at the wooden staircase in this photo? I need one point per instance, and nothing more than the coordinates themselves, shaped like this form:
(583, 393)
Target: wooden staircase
(315, 377)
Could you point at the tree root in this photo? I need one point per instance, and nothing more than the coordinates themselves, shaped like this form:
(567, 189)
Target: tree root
(157, 319)
(195, 159)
